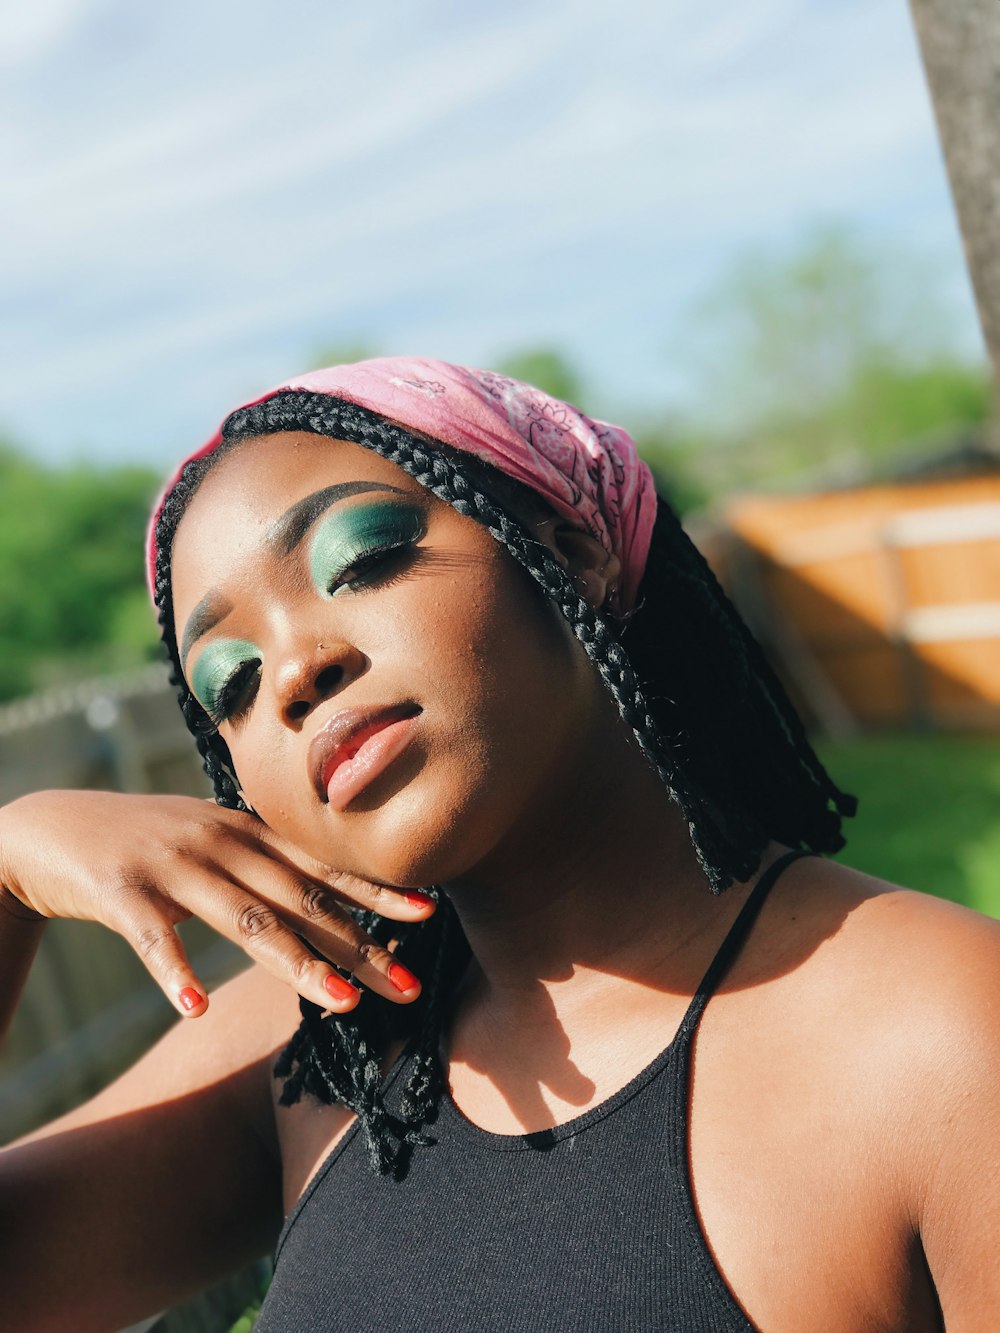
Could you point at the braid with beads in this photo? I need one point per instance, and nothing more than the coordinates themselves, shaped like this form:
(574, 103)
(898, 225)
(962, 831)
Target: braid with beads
(689, 681)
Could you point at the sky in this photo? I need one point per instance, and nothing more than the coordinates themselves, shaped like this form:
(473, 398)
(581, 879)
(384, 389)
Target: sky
(202, 197)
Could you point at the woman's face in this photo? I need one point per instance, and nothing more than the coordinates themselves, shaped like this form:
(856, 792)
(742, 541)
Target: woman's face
(395, 694)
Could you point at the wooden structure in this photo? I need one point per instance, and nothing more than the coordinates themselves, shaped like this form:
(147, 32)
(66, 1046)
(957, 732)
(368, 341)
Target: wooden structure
(879, 605)
(90, 1007)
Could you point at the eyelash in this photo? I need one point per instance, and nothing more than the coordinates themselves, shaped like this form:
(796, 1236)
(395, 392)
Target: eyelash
(368, 561)
(235, 699)
(232, 699)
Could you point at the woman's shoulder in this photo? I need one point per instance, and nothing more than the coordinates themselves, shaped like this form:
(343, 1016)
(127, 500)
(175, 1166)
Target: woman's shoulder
(919, 993)
(895, 995)
(896, 945)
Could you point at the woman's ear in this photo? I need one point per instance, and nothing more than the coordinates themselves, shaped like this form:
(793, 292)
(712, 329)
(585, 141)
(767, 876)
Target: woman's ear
(594, 570)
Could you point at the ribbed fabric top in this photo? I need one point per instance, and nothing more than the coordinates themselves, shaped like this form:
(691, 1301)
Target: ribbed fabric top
(589, 1227)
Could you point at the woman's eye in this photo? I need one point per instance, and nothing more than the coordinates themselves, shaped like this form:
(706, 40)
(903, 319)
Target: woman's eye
(363, 545)
(368, 568)
(225, 678)
(237, 694)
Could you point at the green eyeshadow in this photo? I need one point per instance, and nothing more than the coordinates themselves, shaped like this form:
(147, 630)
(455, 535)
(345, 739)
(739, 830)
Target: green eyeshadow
(216, 667)
(349, 536)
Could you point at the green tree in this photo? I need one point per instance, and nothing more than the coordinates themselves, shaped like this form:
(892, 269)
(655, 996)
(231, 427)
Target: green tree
(548, 369)
(71, 571)
(342, 353)
(833, 355)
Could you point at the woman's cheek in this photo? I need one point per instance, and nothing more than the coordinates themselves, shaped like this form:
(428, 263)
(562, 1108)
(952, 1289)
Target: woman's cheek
(492, 668)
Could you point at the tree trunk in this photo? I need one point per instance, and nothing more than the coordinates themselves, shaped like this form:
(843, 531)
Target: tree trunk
(960, 40)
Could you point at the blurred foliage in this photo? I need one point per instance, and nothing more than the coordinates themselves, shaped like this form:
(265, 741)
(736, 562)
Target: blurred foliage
(829, 363)
(886, 415)
(72, 592)
(782, 335)
(826, 362)
(548, 370)
(953, 848)
(344, 352)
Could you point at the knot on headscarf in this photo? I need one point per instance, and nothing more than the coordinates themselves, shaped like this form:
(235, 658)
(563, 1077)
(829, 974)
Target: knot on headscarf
(588, 471)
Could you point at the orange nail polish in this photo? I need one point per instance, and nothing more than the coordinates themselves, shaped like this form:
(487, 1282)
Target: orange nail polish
(337, 988)
(190, 998)
(401, 977)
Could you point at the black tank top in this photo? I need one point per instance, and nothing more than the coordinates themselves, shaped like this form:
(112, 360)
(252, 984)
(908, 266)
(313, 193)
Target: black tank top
(589, 1227)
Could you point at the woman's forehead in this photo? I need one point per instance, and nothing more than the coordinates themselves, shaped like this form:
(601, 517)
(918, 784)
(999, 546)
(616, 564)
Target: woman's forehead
(261, 478)
(252, 487)
(261, 474)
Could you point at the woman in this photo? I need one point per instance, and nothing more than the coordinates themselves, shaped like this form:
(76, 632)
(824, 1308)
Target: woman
(432, 628)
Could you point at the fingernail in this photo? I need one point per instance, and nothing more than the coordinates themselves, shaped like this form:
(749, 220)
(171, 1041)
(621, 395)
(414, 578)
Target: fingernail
(190, 998)
(417, 899)
(337, 988)
(402, 978)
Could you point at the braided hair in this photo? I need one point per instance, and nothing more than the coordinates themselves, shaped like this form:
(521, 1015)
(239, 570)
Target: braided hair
(689, 681)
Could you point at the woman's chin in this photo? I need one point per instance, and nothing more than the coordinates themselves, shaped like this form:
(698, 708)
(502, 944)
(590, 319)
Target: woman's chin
(427, 820)
(417, 838)
(414, 853)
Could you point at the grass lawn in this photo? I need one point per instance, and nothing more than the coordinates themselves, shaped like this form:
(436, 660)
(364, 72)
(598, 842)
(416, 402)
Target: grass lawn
(928, 812)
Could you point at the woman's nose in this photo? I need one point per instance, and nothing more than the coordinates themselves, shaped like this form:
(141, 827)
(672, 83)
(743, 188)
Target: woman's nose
(311, 676)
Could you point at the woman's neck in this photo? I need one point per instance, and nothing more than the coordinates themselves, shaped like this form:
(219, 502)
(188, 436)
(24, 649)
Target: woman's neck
(599, 893)
(589, 930)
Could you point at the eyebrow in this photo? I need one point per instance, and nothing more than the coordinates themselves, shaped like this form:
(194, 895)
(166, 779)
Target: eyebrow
(285, 534)
(287, 531)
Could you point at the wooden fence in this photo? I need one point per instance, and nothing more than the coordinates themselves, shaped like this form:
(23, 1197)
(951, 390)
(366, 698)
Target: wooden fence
(880, 606)
(90, 1008)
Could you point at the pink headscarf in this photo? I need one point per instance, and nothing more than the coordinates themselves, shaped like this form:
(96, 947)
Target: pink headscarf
(588, 471)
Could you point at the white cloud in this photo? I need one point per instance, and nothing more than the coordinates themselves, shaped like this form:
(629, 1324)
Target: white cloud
(207, 187)
(29, 31)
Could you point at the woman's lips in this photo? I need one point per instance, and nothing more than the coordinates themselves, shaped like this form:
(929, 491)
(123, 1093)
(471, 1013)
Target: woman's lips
(355, 746)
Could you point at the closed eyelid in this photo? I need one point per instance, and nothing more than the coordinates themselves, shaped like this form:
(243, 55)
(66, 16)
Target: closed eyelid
(216, 665)
(293, 525)
(343, 537)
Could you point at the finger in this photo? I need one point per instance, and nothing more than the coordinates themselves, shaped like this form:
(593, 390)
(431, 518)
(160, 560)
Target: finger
(312, 908)
(385, 899)
(395, 904)
(313, 911)
(155, 940)
(253, 924)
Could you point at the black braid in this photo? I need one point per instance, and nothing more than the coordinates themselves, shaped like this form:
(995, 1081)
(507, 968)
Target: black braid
(689, 680)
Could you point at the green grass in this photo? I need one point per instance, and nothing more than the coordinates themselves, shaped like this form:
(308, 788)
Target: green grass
(928, 812)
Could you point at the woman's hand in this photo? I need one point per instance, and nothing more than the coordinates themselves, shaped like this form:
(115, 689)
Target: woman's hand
(141, 864)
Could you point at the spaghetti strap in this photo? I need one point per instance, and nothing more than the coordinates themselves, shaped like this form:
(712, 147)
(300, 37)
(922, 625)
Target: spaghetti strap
(614, 1184)
(730, 946)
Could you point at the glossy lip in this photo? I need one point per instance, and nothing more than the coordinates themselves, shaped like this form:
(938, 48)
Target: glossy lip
(337, 741)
